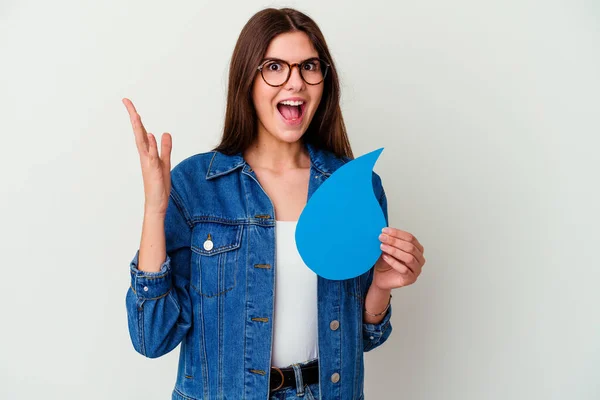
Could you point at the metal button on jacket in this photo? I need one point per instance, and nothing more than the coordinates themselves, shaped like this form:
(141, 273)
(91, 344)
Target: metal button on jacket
(334, 325)
(335, 378)
(208, 243)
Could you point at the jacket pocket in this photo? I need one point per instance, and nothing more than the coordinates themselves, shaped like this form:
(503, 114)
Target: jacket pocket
(215, 251)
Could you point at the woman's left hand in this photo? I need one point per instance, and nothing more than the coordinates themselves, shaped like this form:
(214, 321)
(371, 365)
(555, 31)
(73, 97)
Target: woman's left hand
(401, 262)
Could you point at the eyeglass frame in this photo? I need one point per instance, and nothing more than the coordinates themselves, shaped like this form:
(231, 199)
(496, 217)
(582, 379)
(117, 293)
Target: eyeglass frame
(291, 66)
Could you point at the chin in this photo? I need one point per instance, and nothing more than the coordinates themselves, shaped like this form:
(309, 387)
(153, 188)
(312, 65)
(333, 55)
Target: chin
(289, 136)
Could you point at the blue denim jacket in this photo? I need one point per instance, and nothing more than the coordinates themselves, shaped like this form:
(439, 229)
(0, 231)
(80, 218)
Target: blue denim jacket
(218, 302)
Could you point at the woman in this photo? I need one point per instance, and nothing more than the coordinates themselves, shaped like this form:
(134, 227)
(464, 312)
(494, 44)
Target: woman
(217, 225)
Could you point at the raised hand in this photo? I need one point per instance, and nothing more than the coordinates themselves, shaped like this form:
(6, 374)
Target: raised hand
(156, 169)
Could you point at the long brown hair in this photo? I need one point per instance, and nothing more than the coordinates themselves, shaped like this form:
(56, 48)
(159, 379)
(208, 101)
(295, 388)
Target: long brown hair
(326, 130)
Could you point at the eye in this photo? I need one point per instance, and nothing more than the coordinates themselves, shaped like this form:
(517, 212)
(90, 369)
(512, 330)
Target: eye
(274, 66)
(311, 65)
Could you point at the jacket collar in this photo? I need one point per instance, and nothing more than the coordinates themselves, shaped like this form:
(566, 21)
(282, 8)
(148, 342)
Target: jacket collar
(322, 160)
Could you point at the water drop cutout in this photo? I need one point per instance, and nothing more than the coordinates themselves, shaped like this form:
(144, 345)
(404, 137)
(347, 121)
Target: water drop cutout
(337, 234)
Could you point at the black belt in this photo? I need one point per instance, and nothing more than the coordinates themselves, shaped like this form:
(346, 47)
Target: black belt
(285, 377)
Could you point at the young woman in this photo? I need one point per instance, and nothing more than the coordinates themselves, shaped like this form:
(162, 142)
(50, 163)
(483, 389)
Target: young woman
(217, 269)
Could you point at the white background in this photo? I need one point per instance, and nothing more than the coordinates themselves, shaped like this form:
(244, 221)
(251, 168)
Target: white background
(489, 113)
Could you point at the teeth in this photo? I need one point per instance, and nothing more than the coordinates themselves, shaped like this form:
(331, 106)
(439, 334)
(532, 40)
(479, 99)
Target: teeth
(291, 103)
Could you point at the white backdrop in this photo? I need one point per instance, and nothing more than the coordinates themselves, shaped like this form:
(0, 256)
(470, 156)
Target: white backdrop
(489, 115)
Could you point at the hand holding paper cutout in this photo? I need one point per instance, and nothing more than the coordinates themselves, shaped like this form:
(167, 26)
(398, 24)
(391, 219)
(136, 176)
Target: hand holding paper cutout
(401, 262)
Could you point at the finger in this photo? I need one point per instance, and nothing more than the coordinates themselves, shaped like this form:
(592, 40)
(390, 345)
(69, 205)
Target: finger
(153, 149)
(406, 258)
(165, 154)
(403, 235)
(403, 245)
(397, 265)
(166, 144)
(139, 131)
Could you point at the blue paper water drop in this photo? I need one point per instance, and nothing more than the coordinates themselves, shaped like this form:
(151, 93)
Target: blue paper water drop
(337, 234)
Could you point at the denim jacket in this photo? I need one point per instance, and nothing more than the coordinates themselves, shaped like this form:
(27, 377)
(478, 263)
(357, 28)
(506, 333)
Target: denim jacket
(217, 300)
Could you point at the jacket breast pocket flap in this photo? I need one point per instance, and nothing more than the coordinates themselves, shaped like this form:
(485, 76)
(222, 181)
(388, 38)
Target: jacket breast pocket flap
(215, 252)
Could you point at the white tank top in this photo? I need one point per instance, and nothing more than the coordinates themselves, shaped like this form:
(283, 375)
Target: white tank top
(295, 320)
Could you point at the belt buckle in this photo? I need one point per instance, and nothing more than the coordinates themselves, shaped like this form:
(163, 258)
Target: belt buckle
(282, 378)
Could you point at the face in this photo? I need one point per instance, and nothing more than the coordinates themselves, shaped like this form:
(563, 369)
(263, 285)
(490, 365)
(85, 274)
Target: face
(287, 124)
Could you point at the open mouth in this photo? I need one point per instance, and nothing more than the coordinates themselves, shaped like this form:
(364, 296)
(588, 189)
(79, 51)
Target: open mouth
(292, 112)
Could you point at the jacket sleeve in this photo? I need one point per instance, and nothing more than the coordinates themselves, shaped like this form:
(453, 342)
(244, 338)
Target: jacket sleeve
(158, 303)
(374, 335)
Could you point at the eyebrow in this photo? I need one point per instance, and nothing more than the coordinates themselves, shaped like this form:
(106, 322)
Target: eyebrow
(279, 59)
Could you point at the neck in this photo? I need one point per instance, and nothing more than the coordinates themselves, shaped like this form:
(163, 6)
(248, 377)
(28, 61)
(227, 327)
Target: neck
(267, 152)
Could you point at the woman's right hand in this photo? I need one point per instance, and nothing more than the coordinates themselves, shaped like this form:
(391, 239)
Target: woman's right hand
(156, 169)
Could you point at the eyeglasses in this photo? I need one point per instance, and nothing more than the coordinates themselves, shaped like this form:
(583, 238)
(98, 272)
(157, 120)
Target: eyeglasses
(276, 72)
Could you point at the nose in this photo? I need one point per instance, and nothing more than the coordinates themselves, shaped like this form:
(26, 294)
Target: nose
(295, 80)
